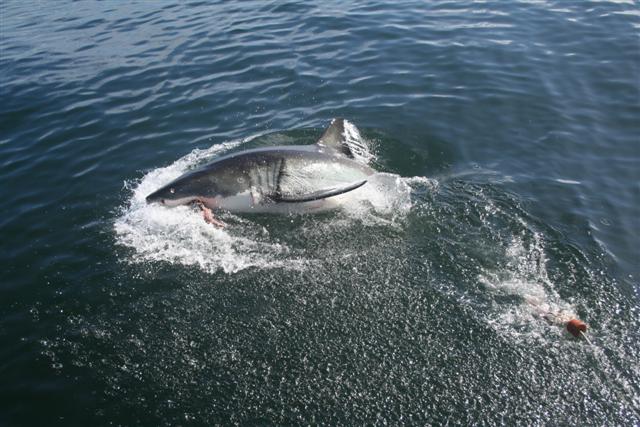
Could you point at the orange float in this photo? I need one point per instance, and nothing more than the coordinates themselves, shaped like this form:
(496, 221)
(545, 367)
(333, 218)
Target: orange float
(576, 327)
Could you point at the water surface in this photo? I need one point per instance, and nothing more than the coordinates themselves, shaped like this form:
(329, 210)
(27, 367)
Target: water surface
(507, 141)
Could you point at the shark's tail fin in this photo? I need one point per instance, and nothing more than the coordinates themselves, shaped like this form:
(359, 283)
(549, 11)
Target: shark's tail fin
(344, 137)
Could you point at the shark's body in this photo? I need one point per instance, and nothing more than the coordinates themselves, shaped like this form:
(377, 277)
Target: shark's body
(299, 178)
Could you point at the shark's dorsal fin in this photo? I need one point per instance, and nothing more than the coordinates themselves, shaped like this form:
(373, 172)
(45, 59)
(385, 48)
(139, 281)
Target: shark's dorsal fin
(344, 137)
(335, 137)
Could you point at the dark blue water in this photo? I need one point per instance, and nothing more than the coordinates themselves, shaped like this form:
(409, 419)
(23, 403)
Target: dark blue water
(507, 137)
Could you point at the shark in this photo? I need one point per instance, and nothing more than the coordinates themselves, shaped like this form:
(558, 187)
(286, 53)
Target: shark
(279, 179)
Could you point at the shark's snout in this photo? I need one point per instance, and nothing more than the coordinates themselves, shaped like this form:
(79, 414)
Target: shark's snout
(171, 195)
(155, 197)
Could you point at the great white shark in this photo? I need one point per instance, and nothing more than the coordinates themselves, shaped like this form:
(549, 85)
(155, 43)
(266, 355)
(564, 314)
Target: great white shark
(282, 179)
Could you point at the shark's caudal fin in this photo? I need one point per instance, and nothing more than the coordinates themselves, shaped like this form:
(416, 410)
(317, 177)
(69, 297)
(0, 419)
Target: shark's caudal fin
(343, 136)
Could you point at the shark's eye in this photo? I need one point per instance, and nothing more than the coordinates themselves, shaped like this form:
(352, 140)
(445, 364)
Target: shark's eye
(172, 190)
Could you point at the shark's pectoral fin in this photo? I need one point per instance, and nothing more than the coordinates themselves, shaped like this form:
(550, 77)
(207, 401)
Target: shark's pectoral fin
(317, 195)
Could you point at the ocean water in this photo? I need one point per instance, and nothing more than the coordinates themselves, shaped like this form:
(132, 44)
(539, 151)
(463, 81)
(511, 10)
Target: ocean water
(507, 140)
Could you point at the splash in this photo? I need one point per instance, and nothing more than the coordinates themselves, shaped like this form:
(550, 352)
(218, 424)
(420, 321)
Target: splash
(359, 147)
